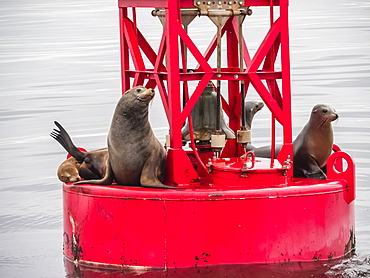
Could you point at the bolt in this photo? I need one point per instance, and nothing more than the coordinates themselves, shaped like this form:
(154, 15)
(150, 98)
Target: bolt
(236, 76)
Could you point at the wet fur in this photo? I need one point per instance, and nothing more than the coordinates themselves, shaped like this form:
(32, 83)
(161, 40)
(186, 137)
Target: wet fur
(68, 171)
(136, 157)
(91, 165)
(312, 146)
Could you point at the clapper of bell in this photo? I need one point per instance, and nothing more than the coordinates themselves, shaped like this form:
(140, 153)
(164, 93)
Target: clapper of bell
(204, 118)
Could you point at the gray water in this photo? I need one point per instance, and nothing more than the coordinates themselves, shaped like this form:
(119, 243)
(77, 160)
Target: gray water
(59, 60)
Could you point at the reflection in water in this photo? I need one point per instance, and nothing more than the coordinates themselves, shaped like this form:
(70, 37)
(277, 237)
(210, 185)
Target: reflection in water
(61, 62)
(302, 270)
(349, 268)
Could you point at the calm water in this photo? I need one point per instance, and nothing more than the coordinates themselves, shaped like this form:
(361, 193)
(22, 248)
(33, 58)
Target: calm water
(59, 60)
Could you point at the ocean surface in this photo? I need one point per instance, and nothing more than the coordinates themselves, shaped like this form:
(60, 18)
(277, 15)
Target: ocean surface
(59, 60)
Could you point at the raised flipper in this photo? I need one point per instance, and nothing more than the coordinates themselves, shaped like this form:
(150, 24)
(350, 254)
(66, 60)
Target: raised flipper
(65, 140)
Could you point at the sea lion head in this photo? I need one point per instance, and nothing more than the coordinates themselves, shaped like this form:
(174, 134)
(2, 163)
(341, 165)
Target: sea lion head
(138, 96)
(323, 115)
(68, 174)
(251, 108)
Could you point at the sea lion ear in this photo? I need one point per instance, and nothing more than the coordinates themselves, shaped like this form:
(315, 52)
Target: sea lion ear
(316, 108)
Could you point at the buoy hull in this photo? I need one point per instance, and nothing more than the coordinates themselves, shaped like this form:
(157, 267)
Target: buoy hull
(129, 226)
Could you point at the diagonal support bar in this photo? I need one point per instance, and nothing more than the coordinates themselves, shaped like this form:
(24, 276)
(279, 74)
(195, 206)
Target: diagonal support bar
(265, 46)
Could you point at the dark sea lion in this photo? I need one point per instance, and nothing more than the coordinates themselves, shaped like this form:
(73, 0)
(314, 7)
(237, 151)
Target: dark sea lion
(264, 151)
(312, 146)
(93, 164)
(136, 157)
(68, 171)
(251, 108)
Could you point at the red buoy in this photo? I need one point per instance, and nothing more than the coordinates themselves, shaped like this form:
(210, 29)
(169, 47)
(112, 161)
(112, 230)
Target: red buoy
(232, 208)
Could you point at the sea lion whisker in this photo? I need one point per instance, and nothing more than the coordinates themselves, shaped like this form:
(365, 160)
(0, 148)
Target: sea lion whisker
(324, 123)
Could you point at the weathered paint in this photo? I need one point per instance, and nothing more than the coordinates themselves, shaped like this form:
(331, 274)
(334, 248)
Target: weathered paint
(125, 226)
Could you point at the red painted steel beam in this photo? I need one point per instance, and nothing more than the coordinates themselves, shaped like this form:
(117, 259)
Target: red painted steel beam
(213, 44)
(172, 60)
(125, 61)
(202, 60)
(199, 75)
(246, 55)
(265, 46)
(287, 149)
(133, 44)
(183, 3)
(195, 96)
(234, 92)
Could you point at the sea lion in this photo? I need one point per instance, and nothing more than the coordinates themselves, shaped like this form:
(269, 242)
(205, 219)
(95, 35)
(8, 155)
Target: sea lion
(92, 164)
(312, 146)
(251, 108)
(314, 143)
(68, 171)
(136, 157)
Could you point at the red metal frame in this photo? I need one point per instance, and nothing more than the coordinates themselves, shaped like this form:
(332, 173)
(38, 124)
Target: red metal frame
(239, 210)
(167, 76)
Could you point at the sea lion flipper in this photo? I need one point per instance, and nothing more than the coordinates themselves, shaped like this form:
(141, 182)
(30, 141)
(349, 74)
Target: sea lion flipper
(106, 180)
(65, 140)
(306, 166)
(149, 176)
(316, 174)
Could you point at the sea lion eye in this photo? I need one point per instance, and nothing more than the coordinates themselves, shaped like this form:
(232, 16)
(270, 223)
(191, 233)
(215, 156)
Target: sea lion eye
(138, 90)
(325, 110)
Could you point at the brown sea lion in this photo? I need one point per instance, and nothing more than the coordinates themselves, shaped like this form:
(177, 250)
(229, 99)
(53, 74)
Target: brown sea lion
(68, 171)
(312, 146)
(93, 164)
(136, 157)
(314, 143)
